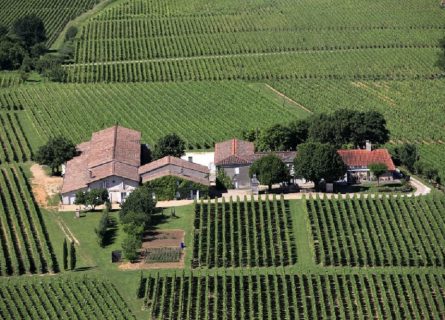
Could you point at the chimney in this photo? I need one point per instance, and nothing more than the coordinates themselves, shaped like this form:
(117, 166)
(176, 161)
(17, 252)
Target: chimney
(368, 145)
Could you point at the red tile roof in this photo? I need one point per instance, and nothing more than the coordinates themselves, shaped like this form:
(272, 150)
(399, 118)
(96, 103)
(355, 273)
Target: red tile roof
(233, 151)
(175, 161)
(147, 175)
(114, 151)
(363, 158)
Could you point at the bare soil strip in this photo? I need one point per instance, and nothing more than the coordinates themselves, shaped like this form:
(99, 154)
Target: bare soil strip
(288, 99)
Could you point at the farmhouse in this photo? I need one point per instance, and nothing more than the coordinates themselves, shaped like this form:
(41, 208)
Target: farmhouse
(169, 166)
(236, 156)
(109, 160)
(112, 160)
(358, 161)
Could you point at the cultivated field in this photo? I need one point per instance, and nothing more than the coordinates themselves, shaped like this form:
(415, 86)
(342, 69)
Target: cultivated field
(243, 234)
(14, 145)
(62, 299)
(301, 296)
(54, 13)
(152, 40)
(378, 232)
(201, 113)
(24, 240)
(412, 108)
(434, 154)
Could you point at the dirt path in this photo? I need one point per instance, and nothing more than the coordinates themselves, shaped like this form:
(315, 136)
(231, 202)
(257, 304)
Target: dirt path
(44, 186)
(287, 98)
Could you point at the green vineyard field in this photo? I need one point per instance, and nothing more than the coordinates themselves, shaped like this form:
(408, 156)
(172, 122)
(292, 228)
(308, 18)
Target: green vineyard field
(201, 113)
(60, 298)
(243, 234)
(434, 154)
(14, 145)
(407, 63)
(152, 40)
(54, 13)
(365, 231)
(306, 296)
(24, 240)
(412, 109)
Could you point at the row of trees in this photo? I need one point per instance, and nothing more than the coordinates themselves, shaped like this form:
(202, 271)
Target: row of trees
(342, 128)
(72, 256)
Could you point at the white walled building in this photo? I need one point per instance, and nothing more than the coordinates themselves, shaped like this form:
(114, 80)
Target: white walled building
(109, 160)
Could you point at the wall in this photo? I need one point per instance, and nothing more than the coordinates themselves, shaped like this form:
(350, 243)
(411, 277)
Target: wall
(243, 176)
(115, 186)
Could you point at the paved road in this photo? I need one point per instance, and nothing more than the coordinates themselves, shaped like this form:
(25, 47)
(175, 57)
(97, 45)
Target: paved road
(421, 189)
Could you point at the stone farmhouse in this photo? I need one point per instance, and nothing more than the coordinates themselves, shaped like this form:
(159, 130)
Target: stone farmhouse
(236, 156)
(358, 161)
(112, 160)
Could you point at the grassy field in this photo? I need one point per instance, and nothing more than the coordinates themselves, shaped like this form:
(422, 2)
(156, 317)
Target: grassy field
(54, 13)
(201, 113)
(151, 40)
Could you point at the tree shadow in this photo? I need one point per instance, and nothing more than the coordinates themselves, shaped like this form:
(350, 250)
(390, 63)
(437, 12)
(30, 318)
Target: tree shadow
(84, 269)
(110, 235)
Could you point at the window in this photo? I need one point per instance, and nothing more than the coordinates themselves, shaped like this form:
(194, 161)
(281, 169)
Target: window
(104, 184)
(236, 170)
(190, 159)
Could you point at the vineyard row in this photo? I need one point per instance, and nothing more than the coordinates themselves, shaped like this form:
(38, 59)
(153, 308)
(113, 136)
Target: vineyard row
(395, 231)
(24, 240)
(243, 234)
(62, 299)
(14, 146)
(277, 296)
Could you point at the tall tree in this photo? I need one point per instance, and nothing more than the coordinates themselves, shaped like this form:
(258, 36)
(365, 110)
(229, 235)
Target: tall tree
(30, 30)
(275, 138)
(316, 161)
(92, 198)
(169, 145)
(55, 152)
(378, 169)
(406, 154)
(139, 203)
(269, 170)
(73, 258)
(65, 255)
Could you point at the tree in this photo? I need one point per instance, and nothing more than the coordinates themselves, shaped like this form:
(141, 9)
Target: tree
(140, 201)
(169, 145)
(370, 125)
(11, 54)
(316, 161)
(348, 127)
(73, 259)
(299, 131)
(406, 154)
(71, 33)
(130, 247)
(3, 30)
(275, 138)
(65, 255)
(92, 198)
(223, 181)
(55, 152)
(378, 169)
(269, 170)
(427, 170)
(101, 230)
(30, 30)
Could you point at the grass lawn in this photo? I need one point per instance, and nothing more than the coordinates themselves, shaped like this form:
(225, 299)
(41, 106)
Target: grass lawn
(96, 261)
